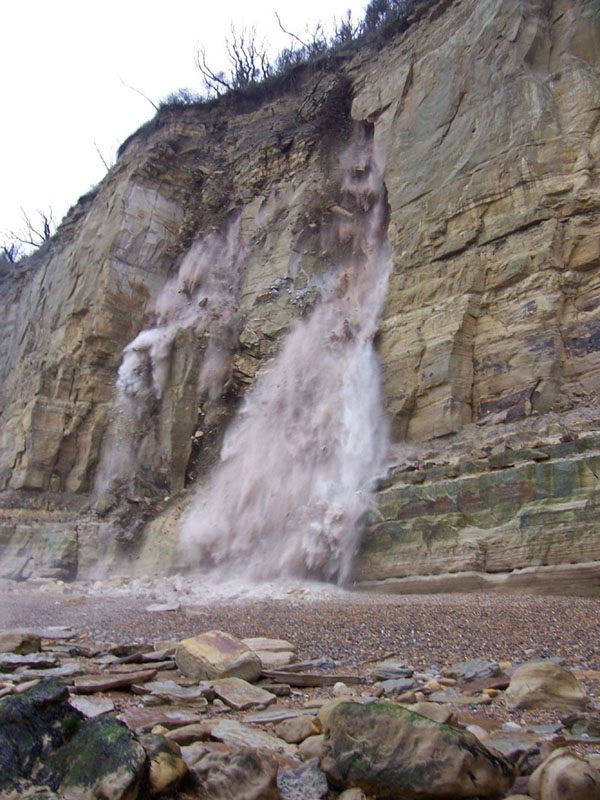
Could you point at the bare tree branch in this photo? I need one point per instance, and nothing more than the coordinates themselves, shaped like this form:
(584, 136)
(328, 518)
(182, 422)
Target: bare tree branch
(289, 33)
(137, 91)
(102, 159)
(249, 63)
(214, 81)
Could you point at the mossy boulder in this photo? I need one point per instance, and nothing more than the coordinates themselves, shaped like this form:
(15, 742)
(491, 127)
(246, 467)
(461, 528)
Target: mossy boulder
(389, 751)
(102, 760)
(48, 750)
(32, 726)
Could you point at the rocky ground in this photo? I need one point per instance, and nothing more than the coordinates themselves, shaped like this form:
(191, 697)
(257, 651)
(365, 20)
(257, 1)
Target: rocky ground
(425, 630)
(341, 635)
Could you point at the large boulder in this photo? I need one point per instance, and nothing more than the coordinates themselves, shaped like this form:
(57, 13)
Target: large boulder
(564, 776)
(216, 654)
(389, 751)
(82, 774)
(543, 684)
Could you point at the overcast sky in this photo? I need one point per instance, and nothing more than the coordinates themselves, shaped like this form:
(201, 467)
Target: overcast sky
(63, 64)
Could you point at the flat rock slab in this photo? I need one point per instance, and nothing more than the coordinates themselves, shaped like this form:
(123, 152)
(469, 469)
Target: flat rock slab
(398, 685)
(273, 653)
(88, 684)
(472, 670)
(511, 743)
(123, 669)
(56, 633)
(66, 672)
(240, 695)
(269, 645)
(10, 661)
(92, 706)
(279, 714)
(174, 693)
(270, 660)
(232, 732)
(142, 720)
(310, 679)
(159, 655)
(390, 669)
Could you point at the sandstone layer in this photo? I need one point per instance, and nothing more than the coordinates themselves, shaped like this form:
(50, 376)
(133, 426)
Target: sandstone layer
(485, 116)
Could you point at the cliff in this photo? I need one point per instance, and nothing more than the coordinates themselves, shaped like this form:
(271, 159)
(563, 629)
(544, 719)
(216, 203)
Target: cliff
(484, 120)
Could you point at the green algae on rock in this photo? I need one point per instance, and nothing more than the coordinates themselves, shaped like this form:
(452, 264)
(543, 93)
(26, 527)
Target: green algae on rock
(389, 751)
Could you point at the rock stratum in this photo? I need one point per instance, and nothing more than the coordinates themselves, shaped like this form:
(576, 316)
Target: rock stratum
(485, 119)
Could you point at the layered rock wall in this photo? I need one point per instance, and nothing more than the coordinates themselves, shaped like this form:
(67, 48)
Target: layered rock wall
(485, 116)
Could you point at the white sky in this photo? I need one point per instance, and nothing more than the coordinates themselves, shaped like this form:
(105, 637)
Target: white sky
(61, 67)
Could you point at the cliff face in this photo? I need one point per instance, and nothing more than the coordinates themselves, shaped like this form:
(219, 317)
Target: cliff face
(484, 117)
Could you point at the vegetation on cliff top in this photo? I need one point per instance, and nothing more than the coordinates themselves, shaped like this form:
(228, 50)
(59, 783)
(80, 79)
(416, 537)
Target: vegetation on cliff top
(254, 78)
(252, 71)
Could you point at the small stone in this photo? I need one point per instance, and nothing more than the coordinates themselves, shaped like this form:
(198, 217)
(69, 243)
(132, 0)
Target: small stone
(447, 682)
(297, 729)
(352, 794)
(188, 734)
(312, 747)
(278, 689)
(491, 692)
(306, 781)
(406, 697)
(434, 686)
(435, 711)
(339, 689)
